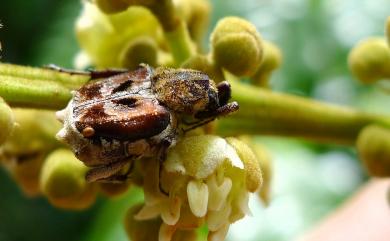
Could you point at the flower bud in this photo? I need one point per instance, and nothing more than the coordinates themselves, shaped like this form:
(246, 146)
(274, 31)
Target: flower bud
(6, 121)
(63, 181)
(25, 150)
(265, 163)
(236, 46)
(373, 145)
(104, 38)
(369, 60)
(139, 50)
(207, 179)
(254, 177)
(272, 59)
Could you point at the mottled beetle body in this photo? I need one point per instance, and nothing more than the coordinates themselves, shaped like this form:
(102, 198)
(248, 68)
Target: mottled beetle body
(129, 115)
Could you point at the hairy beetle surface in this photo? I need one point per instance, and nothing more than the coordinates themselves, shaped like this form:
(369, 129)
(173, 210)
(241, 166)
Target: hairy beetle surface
(127, 115)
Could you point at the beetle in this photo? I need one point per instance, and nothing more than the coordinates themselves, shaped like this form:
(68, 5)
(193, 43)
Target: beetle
(127, 115)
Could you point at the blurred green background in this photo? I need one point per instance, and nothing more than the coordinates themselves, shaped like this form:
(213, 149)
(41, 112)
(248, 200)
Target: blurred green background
(309, 179)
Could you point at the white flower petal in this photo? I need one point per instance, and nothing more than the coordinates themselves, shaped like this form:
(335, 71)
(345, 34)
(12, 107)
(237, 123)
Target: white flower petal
(243, 203)
(198, 195)
(233, 157)
(174, 163)
(240, 207)
(152, 192)
(218, 235)
(170, 211)
(200, 156)
(218, 194)
(216, 219)
(147, 212)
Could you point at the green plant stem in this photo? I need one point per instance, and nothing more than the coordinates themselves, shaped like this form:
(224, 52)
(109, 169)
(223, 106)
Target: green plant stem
(180, 43)
(261, 111)
(25, 72)
(22, 86)
(265, 112)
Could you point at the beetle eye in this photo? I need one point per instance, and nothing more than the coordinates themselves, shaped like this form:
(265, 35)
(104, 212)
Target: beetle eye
(224, 92)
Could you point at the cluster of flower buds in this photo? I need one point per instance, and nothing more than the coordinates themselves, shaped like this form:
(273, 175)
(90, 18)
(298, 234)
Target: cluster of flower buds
(127, 33)
(41, 165)
(205, 179)
(369, 61)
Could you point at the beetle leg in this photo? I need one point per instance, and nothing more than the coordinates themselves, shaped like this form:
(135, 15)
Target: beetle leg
(210, 116)
(104, 172)
(94, 74)
(227, 109)
(120, 178)
(162, 155)
(198, 124)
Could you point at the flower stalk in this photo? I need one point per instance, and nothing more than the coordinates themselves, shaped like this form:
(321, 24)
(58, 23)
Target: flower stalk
(22, 86)
(261, 111)
(265, 112)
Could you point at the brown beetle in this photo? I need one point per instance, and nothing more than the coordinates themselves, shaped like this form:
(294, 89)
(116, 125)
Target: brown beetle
(127, 115)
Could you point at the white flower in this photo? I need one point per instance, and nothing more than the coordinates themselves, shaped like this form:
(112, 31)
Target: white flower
(207, 180)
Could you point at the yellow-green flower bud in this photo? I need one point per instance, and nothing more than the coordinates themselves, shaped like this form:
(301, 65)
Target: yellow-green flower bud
(373, 145)
(31, 140)
(104, 38)
(63, 181)
(112, 6)
(369, 60)
(139, 50)
(265, 163)
(254, 177)
(25, 169)
(272, 59)
(236, 46)
(6, 121)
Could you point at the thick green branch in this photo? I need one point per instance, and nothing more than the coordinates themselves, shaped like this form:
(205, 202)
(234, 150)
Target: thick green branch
(261, 111)
(265, 112)
(36, 87)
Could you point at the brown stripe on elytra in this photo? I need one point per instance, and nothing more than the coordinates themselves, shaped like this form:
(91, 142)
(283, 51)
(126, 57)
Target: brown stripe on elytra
(87, 117)
(141, 119)
(123, 86)
(89, 91)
